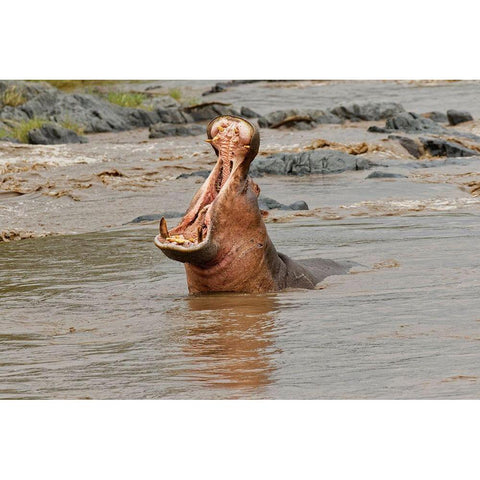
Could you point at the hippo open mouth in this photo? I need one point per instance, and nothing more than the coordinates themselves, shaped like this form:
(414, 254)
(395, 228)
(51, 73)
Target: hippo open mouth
(197, 238)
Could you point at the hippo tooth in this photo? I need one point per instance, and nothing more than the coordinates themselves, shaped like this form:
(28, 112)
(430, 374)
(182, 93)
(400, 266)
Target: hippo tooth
(163, 228)
(209, 140)
(246, 147)
(200, 234)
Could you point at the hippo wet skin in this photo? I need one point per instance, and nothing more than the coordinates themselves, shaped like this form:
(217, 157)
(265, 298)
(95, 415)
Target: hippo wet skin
(222, 239)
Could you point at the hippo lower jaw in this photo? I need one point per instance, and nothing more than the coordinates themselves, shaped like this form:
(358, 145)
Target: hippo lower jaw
(194, 240)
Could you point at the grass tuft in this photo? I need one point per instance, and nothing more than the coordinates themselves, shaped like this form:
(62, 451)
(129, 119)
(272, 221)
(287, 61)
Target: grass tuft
(21, 129)
(71, 125)
(175, 93)
(13, 96)
(126, 99)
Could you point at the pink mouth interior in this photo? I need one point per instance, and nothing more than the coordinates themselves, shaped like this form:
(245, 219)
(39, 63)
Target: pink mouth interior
(231, 138)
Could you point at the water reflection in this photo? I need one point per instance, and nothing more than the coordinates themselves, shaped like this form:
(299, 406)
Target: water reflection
(231, 339)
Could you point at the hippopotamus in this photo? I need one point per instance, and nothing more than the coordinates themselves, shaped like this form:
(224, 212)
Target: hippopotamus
(222, 239)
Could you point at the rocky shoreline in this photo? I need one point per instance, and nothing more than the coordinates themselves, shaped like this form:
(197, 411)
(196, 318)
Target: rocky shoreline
(89, 151)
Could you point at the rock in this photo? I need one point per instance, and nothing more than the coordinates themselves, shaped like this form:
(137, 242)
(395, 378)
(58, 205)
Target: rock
(456, 116)
(156, 216)
(443, 148)
(89, 111)
(160, 130)
(375, 129)
(296, 118)
(207, 111)
(173, 115)
(248, 113)
(377, 174)
(367, 111)
(13, 114)
(411, 122)
(218, 87)
(308, 162)
(266, 203)
(162, 101)
(200, 173)
(412, 146)
(53, 134)
(27, 90)
(298, 205)
(438, 117)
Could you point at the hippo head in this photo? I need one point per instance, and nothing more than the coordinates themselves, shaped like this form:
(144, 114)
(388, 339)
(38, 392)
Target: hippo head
(223, 222)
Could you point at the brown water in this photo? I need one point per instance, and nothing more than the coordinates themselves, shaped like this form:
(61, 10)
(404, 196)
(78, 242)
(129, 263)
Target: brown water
(105, 315)
(99, 312)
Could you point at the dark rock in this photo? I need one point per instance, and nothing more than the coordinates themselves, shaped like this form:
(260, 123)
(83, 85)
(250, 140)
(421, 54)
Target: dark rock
(443, 148)
(173, 115)
(248, 113)
(53, 134)
(266, 203)
(456, 116)
(217, 88)
(200, 173)
(156, 216)
(89, 111)
(377, 174)
(28, 90)
(207, 111)
(375, 129)
(411, 122)
(367, 111)
(298, 205)
(296, 118)
(438, 117)
(161, 101)
(13, 114)
(321, 161)
(160, 130)
(409, 144)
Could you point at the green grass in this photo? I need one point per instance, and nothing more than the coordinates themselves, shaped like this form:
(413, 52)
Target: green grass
(13, 96)
(71, 125)
(134, 100)
(21, 129)
(4, 133)
(175, 93)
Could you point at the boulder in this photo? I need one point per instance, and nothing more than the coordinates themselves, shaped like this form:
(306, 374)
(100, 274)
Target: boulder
(160, 130)
(443, 148)
(412, 122)
(53, 134)
(367, 111)
(266, 203)
(248, 113)
(412, 146)
(456, 116)
(321, 161)
(438, 117)
(207, 111)
(300, 119)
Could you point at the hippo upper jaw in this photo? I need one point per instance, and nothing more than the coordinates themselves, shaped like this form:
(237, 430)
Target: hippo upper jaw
(199, 239)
